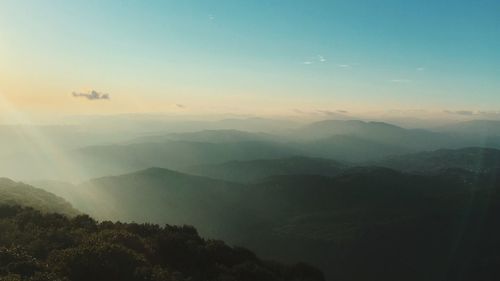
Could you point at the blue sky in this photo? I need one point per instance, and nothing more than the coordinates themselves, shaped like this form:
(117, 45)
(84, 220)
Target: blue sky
(251, 55)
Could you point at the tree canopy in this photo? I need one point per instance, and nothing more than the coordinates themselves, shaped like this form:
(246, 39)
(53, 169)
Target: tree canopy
(51, 247)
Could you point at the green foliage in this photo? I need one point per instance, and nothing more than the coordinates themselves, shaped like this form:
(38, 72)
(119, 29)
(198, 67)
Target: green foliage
(363, 218)
(42, 247)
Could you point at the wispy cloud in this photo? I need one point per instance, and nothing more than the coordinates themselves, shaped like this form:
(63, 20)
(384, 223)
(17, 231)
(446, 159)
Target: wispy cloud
(344, 65)
(421, 68)
(401, 80)
(333, 112)
(477, 113)
(316, 59)
(211, 17)
(339, 113)
(461, 112)
(178, 105)
(91, 95)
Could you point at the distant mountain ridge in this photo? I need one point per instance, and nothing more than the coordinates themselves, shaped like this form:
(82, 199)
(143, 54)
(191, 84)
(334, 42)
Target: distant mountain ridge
(474, 159)
(383, 133)
(117, 159)
(351, 141)
(211, 136)
(255, 170)
(474, 127)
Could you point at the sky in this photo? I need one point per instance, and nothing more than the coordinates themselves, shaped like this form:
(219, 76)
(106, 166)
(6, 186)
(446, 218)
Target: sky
(259, 57)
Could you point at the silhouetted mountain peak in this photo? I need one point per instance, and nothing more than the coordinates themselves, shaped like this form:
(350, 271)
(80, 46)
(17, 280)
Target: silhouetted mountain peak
(156, 171)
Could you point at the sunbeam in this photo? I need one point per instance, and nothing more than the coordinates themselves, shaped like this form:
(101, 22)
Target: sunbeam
(37, 150)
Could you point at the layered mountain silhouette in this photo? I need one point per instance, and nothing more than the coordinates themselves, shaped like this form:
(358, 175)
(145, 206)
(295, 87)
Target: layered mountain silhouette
(116, 159)
(341, 195)
(351, 141)
(362, 217)
(482, 128)
(257, 170)
(474, 159)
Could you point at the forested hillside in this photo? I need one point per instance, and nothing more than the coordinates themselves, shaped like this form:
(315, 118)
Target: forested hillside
(52, 247)
(382, 220)
(15, 193)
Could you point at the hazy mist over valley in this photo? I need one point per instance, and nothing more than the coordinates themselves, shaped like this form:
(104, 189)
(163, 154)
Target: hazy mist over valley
(293, 191)
(260, 140)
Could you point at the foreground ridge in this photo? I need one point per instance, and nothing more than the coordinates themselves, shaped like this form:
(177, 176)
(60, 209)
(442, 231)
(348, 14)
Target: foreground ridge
(43, 247)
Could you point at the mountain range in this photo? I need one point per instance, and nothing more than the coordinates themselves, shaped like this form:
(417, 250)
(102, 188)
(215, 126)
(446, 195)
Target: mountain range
(341, 195)
(329, 218)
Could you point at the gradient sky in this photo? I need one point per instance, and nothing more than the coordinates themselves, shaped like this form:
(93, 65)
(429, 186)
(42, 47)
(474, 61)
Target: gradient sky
(230, 56)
